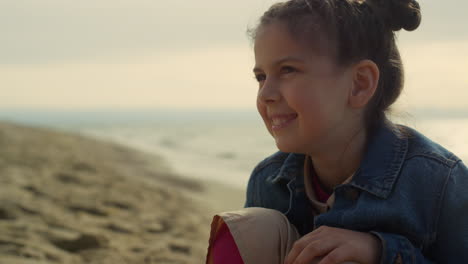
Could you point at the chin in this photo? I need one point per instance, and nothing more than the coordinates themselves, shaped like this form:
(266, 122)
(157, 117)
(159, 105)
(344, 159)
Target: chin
(288, 148)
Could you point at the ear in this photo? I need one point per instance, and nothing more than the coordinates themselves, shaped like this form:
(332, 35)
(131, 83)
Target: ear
(365, 81)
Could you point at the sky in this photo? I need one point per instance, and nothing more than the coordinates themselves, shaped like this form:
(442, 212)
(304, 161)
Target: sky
(135, 54)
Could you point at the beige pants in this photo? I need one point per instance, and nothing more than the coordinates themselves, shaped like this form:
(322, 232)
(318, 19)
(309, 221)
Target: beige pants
(263, 236)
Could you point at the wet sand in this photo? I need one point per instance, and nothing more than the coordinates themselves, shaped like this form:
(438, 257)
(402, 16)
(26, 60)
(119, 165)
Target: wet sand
(69, 199)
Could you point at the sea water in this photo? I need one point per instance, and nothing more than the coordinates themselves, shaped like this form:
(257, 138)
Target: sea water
(222, 146)
(222, 150)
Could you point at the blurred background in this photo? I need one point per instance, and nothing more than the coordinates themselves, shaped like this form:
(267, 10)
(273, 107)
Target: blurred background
(174, 77)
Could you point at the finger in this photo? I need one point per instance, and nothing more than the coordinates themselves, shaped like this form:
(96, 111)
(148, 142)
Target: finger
(320, 229)
(300, 244)
(337, 256)
(297, 248)
(315, 250)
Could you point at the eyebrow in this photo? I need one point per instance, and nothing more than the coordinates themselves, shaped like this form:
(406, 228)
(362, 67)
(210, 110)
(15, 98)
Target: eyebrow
(285, 59)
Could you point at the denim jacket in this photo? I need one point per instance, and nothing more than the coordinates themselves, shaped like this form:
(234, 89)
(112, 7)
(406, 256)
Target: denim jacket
(409, 191)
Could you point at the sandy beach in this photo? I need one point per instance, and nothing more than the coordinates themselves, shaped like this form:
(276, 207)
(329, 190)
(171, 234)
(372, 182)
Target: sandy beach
(69, 199)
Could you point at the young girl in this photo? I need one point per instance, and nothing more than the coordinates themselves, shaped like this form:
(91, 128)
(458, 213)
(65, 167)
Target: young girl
(347, 185)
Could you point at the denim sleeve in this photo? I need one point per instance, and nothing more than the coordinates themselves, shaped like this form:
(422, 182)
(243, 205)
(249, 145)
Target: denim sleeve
(451, 230)
(451, 244)
(397, 249)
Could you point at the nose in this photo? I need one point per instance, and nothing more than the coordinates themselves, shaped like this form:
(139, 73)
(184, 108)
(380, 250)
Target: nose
(268, 93)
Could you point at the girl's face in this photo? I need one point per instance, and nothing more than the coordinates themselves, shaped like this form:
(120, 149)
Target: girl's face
(303, 95)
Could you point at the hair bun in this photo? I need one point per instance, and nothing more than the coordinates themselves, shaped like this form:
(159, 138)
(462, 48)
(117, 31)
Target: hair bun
(404, 14)
(398, 14)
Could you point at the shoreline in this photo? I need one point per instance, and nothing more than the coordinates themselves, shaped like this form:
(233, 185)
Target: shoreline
(68, 198)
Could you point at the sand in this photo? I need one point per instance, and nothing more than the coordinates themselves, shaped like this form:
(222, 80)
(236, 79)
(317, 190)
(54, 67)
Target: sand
(69, 199)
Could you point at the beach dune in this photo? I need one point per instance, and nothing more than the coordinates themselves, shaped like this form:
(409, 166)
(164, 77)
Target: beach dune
(69, 199)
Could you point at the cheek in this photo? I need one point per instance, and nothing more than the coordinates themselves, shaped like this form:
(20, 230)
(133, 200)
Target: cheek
(305, 102)
(314, 108)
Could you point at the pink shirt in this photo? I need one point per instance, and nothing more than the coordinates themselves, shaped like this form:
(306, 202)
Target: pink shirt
(320, 193)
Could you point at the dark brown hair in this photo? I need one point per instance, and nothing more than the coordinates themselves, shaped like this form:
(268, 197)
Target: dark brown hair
(353, 30)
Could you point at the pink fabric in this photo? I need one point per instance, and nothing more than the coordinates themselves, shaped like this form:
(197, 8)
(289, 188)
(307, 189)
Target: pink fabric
(320, 193)
(224, 249)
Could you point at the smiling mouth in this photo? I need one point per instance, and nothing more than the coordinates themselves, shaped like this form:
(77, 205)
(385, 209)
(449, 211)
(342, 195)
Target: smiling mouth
(281, 121)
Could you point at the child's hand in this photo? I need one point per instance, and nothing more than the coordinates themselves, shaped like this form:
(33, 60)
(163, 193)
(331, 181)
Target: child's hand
(328, 245)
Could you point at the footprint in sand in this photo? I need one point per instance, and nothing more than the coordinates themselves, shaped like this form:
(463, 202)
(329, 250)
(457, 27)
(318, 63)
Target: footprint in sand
(6, 214)
(68, 178)
(82, 166)
(158, 227)
(119, 205)
(88, 210)
(179, 249)
(35, 191)
(119, 228)
(82, 242)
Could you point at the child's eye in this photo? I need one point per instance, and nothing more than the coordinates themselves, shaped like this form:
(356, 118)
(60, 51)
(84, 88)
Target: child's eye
(287, 69)
(260, 77)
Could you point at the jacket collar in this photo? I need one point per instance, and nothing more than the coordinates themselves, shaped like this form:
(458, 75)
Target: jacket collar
(386, 152)
(292, 166)
(382, 163)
